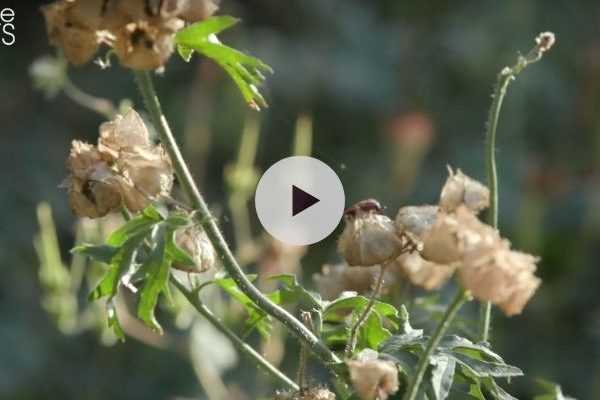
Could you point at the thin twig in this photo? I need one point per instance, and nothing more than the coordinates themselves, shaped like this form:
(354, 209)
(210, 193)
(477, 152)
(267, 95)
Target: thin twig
(544, 42)
(363, 317)
(205, 218)
(451, 311)
(192, 297)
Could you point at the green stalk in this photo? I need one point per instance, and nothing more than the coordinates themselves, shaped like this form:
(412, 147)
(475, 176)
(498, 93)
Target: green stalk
(451, 311)
(508, 74)
(207, 221)
(194, 299)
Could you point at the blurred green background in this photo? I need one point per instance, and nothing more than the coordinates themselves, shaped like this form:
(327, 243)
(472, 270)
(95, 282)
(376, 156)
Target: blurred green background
(397, 90)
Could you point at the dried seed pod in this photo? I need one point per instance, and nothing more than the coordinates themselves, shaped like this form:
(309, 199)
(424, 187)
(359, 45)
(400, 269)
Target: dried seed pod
(312, 393)
(125, 133)
(195, 242)
(416, 220)
(149, 170)
(369, 238)
(79, 42)
(198, 10)
(422, 273)
(338, 278)
(502, 276)
(373, 379)
(459, 189)
(144, 46)
(86, 13)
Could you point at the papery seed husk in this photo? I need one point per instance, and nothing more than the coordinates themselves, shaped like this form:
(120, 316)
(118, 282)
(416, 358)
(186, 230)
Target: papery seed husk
(373, 379)
(460, 189)
(338, 278)
(416, 219)
(194, 241)
(422, 273)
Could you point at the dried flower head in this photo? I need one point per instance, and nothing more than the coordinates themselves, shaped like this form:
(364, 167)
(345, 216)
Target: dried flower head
(545, 41)
(140, 32)
(195, 242)
(125, 168)
(502, 276)
(338, 278)
(373, 379)
(416, 220)
(460, 189)
(78, 40)
(369, 238)
(422, 273)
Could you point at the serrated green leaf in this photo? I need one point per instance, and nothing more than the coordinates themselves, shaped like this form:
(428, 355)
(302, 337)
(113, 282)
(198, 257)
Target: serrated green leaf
(441, 376)
(158, 266)
(176, 221)
(113, 320)
(139, 225)
(199, 32)
(101, 253)
(337, 309)
(484, 369)
(121, 263)
(185, 52)
(246, 71)
(372, 332)
(496, 391)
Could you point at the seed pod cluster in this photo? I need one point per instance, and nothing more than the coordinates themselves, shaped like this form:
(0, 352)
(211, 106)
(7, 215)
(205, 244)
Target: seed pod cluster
(141, 32)
(372, 378)
(125, 168)
(449, 237)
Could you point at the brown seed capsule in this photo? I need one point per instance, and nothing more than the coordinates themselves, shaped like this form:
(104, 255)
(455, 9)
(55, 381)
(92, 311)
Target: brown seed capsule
(459, 189)
(422, 273)
(78, 42)
(416, 220)
(373, 379)
(369, 238)
(195, 242)
(338, 278)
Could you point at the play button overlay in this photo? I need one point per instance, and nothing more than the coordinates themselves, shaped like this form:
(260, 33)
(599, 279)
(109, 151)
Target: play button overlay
(299, 200)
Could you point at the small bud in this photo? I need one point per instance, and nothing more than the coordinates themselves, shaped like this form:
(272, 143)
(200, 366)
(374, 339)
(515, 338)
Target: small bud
(195, 242)
(373, 379)
(460, 189)
(369, 238)
(545, 41)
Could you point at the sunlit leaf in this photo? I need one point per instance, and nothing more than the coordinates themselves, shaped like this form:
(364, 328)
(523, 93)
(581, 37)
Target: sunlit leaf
(442, 376)
(246, 71)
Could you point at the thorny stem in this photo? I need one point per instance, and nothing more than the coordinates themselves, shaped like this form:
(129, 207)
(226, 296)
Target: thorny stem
(192, 297)
(451, 311)
(207, 221)
(363, 317)
(508, 74)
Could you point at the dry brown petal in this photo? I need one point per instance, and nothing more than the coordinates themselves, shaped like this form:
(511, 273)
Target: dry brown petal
(440, 243)
(459, 189)
(78, 42)
(195, 242)
(198, 10)
(86, 13)
(143, 46)
(373, 379)
(338, 278)
(416, 219)
(124, 133)
(83, 159)
(150, 171)
(422, 273)
(369, 239)
(94, 198)
(502, 276)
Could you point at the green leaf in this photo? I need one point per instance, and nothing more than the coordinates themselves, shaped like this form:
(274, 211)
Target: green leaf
(484, 369)
(102, 253)
(372, 333)
(244, 70)
(120, 264)
(158, 265)
(139, 225)
(293, 292)
(551, 391)
(176, 253)
(113, 320)
(185, 52)
(496, 391)
(199, 32)
(441, 376)
(339, 308)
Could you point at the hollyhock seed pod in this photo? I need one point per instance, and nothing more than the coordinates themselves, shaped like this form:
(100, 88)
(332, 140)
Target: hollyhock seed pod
(422, 273)
(416, 220)
(338, 278)
(195, 242)
(459, 189)
(369, 238)
(373, 379)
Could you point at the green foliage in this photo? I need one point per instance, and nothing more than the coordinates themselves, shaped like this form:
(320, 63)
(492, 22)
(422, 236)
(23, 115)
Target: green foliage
(551, 391)
(143, 248)
(458, 368)
(246, 71)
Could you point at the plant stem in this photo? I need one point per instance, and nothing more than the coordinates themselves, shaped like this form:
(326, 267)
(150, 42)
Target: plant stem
(451, 311)
(363, 317)
(192, 297)
(205, 218)
(505, 77)
(102, 106)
